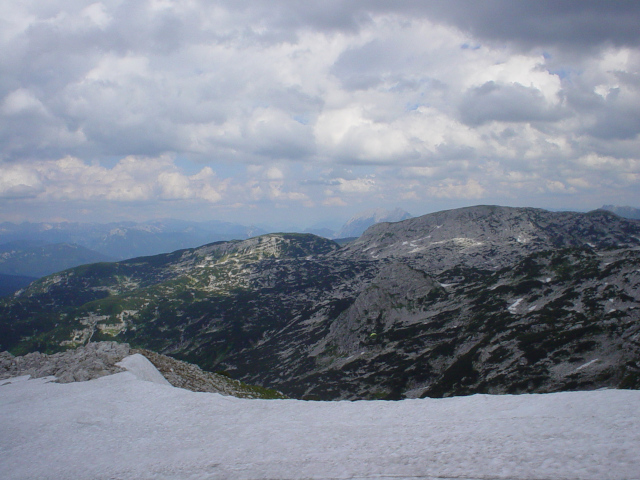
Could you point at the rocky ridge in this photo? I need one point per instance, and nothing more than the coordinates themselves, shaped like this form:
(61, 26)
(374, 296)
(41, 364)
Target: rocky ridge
(96, 360)
(79, 365)
(191, 377)
(490, 237)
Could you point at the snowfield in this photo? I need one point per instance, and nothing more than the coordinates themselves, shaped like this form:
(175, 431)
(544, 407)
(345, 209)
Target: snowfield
(124, 427)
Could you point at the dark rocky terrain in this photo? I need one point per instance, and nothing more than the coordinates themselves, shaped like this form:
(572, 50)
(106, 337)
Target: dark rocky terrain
(481, 299)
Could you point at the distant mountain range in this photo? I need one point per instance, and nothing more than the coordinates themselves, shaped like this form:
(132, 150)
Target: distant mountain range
(477, 300)
(33, 250)
(126, 239)
(627, 212)
(9, 284)
(357, 224)
(22, 262)
(23, 259)
(130, 239)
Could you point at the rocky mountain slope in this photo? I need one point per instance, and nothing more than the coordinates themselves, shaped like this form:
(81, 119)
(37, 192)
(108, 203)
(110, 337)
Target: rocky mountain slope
(482, 299)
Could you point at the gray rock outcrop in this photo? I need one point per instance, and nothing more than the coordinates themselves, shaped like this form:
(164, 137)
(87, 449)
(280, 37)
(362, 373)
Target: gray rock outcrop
(85, 363)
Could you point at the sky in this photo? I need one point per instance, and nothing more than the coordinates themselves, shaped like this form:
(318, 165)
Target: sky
(283, 111)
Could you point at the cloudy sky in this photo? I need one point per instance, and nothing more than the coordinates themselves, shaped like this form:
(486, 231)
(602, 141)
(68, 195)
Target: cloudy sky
(289, 111)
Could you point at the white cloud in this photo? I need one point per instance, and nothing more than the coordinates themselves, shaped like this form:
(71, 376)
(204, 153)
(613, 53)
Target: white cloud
(334, 202)
(274, 173)
(470, 189)
(131, 179)
(348, 134)
(22, 101)
(358, 185)
(527, 71)
(98, 15)
(19, 181)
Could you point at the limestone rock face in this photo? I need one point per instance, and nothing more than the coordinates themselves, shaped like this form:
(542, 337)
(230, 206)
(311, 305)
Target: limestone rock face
(85, 363)
(389, 298)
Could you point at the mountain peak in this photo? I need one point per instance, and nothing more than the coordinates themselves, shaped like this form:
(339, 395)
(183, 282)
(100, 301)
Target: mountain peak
(472, 235)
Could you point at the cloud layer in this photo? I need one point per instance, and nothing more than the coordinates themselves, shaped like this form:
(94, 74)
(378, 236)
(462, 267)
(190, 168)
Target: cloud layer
(255, 105)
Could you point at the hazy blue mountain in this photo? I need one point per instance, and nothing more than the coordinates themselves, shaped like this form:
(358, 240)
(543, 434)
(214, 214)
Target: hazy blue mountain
(627, 212)
(321, 232)
(10, 284)
(37, 261)
(357, 224)
(127, 239)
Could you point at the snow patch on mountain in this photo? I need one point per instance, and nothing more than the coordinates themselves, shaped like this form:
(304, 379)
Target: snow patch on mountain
(143, 369)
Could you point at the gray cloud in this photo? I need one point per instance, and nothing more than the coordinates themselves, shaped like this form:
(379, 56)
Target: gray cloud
(576, 23)
(617, 121)
(129, 78)
(569, 23)
(608, 104)
(366, 66)
(505, 103)
(20, 192)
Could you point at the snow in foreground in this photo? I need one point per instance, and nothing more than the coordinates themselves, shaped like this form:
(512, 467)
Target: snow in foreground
(124, 427)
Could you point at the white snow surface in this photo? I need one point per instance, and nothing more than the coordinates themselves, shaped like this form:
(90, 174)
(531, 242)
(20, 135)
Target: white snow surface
(143, 369)
(122, 427)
